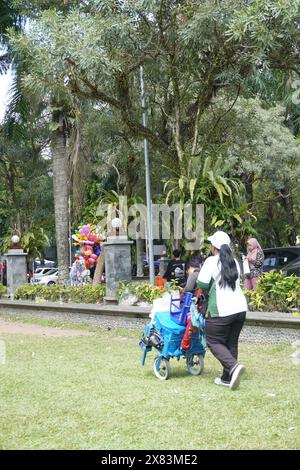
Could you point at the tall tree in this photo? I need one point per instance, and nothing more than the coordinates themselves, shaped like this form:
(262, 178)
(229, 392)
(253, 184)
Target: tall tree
(61, 191)
(190, 52)
(9, 18)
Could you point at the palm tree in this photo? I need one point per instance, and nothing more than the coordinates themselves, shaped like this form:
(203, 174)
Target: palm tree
(9, 18)
(61, 192)
(58, 137)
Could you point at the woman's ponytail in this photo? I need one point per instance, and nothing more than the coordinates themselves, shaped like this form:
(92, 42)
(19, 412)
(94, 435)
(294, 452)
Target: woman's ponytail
(229, 272)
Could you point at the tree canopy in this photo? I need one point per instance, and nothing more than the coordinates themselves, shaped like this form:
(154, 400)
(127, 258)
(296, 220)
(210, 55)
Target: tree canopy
(220, 78)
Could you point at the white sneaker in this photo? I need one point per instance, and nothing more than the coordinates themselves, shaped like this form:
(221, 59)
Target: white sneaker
(236, 376)
(219, 381)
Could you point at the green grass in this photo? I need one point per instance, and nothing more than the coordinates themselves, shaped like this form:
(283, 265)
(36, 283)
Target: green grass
(93, 393)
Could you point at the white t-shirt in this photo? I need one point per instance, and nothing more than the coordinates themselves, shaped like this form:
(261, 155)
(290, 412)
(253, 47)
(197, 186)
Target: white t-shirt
(228, 301)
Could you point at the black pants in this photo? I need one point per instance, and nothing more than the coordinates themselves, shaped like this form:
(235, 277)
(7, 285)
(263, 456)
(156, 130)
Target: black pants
(222, 336)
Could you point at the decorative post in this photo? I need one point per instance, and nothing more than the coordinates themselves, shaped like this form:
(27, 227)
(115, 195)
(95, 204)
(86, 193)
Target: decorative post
(16, 265)
(117, 252)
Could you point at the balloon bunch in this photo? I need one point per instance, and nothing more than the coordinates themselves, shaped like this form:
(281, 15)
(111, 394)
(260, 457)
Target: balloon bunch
(89, 243)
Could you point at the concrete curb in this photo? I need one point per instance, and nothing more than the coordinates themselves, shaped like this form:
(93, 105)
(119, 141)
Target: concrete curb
(7, 306)
(273, 319)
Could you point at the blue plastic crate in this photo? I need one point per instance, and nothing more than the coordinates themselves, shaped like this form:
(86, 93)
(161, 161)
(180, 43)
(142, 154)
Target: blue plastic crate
(179, 316)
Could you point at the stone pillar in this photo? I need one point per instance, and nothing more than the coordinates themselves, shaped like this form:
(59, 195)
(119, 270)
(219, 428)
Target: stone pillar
(117, 252)
(16, 269)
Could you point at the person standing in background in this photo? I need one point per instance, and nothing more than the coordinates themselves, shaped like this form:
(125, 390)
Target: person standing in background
(197, 258)
(255, 258)
(191, 283)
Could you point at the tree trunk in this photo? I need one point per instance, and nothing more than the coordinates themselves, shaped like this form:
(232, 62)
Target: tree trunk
(61, 197)
(99, 270)
(273, 226)
(11, 175)
(79, 164)
(247, 180)
(131, 175)
(287, 201)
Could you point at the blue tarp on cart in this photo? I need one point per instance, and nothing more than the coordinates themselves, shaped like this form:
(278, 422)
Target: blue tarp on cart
(173, 334)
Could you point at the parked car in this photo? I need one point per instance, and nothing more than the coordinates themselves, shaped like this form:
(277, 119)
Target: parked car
(41, 272)
(49, 279)
(286, 259)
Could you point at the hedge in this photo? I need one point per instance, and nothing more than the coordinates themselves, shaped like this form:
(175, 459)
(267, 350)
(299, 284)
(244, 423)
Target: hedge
(84, 294)
(275, 292)
(3, 291)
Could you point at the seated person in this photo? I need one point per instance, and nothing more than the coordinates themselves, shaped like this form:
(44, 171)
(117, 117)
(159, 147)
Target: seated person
(197, 258)
(176, 269)
(191, 284)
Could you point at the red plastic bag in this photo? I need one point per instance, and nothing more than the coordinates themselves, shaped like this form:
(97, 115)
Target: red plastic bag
(186, 340)
(201, 302)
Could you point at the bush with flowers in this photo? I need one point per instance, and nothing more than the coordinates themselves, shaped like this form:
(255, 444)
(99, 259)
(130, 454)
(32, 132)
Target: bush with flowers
(143, 291)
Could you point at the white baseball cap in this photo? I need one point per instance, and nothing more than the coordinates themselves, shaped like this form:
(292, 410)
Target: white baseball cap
(218, 239)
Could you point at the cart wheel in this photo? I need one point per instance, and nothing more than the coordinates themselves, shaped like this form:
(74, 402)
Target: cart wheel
(164, 370)
(195, 364)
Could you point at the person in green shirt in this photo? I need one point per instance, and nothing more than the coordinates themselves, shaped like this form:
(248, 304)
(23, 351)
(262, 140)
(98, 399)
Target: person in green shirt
(227, 306)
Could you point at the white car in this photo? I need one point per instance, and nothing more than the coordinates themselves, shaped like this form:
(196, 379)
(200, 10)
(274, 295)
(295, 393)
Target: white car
(40, 272)
(49, 279)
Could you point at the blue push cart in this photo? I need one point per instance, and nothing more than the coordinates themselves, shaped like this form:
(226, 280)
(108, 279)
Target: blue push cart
(165, 334)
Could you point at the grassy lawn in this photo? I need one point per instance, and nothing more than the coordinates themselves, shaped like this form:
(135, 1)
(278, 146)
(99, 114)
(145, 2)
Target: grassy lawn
(93, 393)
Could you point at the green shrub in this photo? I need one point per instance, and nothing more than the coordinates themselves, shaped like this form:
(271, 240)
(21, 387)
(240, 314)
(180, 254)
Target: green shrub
(274, 291)
(3, 291)
(84, 294)
(144, 291)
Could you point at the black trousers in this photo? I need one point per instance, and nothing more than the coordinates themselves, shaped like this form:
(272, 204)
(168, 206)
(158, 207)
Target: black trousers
(222, 336)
